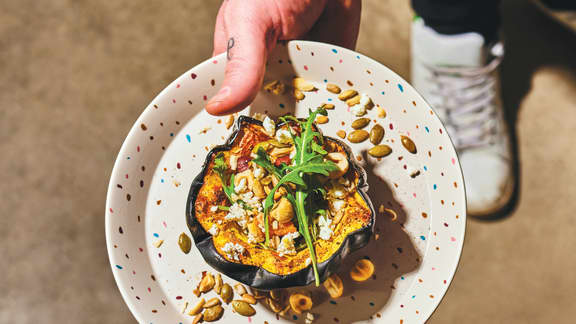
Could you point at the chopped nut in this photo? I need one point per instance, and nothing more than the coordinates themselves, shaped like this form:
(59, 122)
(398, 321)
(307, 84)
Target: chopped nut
(212, 302)
(300, 302)
(347, 94)
(353, 101)
(381, 112)
(275, 87)
(196, 292)
(298, 95)
(309, 318)
(196, 309)
(240, 289)
(258, 116)
(249, 299)
(333, 88)
(363, 269)
(218, 284)
(158, 243)
(341, 133)
(302, 84)
(274, 305)
(233, 162)
(184, 306)
(328, 106)
(198, 319)
(207, 283)
(322, 119)
(334, 286)
(229, 121)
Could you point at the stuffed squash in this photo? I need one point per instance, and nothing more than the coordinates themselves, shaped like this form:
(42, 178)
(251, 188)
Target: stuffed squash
(279, 205)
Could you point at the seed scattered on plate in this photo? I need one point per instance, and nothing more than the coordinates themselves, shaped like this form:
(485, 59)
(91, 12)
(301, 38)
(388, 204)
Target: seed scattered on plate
(158, 243)
(322, 119)
(360, 123)
(347, 94)
(328, 106)
(198, 319)
(381, 112)
(229, 121)
(213, 313)
(184, 243)
(379, 151)
(333, 88)
(358, 136)
(298, 95)
(341, 133)
(197, 308)
(376, 134)
(408, 144)
(302, 84)
(243, 308)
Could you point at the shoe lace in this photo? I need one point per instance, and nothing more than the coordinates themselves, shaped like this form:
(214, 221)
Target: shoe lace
(465, 100)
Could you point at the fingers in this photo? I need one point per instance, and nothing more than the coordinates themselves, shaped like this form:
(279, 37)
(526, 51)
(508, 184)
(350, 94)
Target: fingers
(220, 32)
(251, 35)
(339, 23)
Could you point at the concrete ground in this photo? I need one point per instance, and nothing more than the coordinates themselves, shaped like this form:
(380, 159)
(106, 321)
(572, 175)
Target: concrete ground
(74, 75)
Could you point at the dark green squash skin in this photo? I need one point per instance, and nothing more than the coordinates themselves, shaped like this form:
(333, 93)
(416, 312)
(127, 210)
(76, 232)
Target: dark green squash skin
(257, 277)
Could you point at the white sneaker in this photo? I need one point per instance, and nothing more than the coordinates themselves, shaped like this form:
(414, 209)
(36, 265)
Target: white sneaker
(457, 75)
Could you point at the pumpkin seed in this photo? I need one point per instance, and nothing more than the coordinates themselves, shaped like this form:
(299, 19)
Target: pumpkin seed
(328, 106)
(380, 150)
(249, 299)
(298, 95)
(347, 94)
(376, 134)
(198, 319)
(212, 302)
(197, 308)
(333, 88)
(302, 84)
(358, 136)
(321, 119)
(408, 144)
(341, 134)
(360, 123)
(243, 308)
(213, 313)
(353, 101)
(184, 243)
(227, 293)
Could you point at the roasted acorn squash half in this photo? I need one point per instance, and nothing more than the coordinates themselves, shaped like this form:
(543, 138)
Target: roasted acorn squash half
(247, 225)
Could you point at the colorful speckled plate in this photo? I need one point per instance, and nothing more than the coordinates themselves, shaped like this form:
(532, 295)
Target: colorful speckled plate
(415, 255)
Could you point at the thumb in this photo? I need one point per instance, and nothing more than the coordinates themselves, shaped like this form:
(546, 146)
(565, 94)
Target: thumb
(248, 42)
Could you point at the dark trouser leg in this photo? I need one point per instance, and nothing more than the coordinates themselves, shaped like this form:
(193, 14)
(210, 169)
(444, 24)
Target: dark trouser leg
(461, 16)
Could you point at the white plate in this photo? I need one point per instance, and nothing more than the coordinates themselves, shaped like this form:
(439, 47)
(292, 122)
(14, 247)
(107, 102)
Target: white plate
(415, 256)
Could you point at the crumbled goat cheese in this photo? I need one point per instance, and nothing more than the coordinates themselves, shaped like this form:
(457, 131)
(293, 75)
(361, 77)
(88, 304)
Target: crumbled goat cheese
(213, 208)
(238, 214)
(325, 230)
(284, 136)
(339, 192)
(241, 186)
(359, 109)
(269, 126)
(338, 204)
(286, 245)
(213, 230)
(233, 250)
(258, 171)
(309, 318)
(233, 162)
(251, 200)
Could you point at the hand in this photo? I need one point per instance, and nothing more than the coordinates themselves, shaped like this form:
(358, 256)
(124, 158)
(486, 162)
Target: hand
(249, 29)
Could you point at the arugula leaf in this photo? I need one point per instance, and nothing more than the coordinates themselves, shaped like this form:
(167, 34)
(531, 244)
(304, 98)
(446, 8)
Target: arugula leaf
(308, 161)
(221, 167)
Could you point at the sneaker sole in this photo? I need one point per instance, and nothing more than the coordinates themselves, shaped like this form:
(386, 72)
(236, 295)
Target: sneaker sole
(504, 200)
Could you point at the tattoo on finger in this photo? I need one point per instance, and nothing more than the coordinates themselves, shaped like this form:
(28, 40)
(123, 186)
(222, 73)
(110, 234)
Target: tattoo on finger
(229, 48)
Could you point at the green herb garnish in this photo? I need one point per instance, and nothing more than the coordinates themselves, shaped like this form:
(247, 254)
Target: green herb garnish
(308, 161)
(221, 167)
